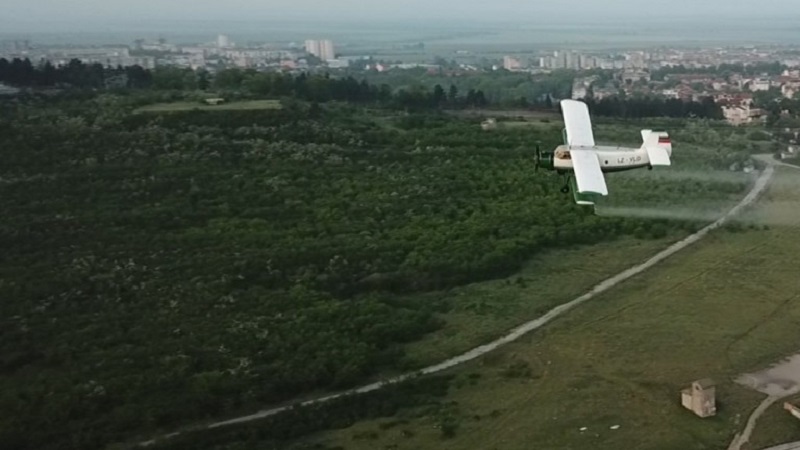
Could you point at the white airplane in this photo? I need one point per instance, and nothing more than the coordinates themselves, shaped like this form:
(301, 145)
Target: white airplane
(581, 156)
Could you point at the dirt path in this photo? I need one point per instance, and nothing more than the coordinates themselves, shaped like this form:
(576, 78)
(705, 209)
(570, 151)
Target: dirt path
(769, 159)
(740, 439)
(789, 446)
(759, 186)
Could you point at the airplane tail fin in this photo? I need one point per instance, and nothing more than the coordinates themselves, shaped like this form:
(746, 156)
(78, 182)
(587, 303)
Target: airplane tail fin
(658, 147)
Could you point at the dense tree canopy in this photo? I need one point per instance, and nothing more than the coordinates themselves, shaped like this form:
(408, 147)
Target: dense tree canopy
(164, 268)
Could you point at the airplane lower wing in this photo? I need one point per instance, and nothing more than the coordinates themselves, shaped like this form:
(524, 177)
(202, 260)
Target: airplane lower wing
(588, 174)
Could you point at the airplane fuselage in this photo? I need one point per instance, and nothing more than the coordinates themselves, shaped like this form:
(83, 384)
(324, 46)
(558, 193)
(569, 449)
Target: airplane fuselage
(583, 163)
(612, 159)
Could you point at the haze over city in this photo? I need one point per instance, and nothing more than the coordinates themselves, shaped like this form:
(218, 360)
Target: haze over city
(57, 15)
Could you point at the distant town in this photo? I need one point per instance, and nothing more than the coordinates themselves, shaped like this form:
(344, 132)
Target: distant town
(632, 71)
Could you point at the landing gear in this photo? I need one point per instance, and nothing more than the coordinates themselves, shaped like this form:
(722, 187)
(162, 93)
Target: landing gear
(649, 167)
(565, 189)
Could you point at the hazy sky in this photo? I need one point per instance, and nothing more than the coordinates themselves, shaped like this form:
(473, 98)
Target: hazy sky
(66, 12)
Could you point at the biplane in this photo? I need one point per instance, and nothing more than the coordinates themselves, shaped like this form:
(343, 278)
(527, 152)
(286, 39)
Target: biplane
(583, 163)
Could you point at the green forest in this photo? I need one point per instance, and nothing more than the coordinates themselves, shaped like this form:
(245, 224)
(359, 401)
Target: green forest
(160, 269)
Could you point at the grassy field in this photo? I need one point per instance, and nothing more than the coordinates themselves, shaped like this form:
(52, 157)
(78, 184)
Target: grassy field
(726, 306)
(538, 124)
(232, 106)
(776, 426)
(484, 311)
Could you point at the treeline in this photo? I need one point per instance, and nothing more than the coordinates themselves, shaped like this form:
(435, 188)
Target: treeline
(654, 107)
(317, 88)
(501, 88)
(313, 88)
(23, 73)
(773, 68)
(324, 88)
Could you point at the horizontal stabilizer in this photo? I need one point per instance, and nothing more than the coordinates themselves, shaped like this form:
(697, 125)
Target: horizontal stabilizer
(658, 147)
(658, 156)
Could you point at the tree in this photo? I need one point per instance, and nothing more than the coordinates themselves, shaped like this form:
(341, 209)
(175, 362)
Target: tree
(203, 81)
(314, 111)
(21, 72)
(48, 75)
(259, 84)
(439, 96)
(471, 95)
(189, 81)
(480, 99)
(229, 79)
(169, 78)
(5, 68)
(452, 95)
(384, 93)
(548, 102)
(138, 77)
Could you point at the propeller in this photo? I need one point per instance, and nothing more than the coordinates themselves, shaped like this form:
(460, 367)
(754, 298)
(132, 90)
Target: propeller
(537, 158)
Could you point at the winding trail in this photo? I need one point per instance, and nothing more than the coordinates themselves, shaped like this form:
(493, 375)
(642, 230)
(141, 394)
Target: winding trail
(789, 446)
(740, 439)
(775, 162)
(761, 183)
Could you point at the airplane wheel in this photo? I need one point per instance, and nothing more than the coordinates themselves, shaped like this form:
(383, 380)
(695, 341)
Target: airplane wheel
(565, 190)
(649, 167)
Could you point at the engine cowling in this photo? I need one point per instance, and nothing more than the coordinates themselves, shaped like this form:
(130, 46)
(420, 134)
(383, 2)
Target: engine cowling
(545, 160)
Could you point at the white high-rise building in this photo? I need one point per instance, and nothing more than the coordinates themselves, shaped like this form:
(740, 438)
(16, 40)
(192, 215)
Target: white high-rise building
(224, 41)
(510, 63)
(321, 49)
(312, 47)
(326, 51)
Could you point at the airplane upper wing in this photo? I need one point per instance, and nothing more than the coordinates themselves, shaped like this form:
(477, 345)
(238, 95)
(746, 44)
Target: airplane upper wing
(578, 123)
(588, 175)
